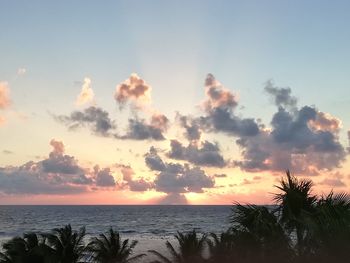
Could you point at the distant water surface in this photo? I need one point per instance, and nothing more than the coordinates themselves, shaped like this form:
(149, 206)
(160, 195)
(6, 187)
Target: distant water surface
(141, 221)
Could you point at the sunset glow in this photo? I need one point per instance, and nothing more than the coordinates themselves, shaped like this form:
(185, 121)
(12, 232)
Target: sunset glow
(135, 104)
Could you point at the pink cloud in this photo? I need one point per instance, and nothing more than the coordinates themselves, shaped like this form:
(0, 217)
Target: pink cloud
(86, 94)
(133, 89)
(4, 95)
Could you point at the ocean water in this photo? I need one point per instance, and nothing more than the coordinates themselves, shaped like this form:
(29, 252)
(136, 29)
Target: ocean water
(151, 224)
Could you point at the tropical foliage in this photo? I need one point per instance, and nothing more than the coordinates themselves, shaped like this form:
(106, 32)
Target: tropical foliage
(190, 246)
(111, 249)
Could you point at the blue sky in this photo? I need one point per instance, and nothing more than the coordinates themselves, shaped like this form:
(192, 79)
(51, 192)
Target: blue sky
(172, 45)
(298, 44)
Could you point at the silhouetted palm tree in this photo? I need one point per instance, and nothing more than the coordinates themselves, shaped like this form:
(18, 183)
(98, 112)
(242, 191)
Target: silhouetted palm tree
(330, 227)
(67, 244)
(111, 249)
(296, 205)
(257, 231)
(191, 248)
(222, 247)
(29, 249)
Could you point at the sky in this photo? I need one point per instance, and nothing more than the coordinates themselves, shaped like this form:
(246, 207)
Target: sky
(172, 102)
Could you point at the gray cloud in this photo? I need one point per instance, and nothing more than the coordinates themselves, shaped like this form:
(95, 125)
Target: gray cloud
(153, 161)
(281, 96)
(191, 126)
(177, 178)
(93, 117)
(139, 129)
(135, 185)
(187, 180)
(220, 116)
(140, 185)
(29, 179)
(7, 152)
(173, 199)
(99, 122)
(292, 129)
(103, 177)
(62, 164)
(223, 120)
(57, 174)
(207, 154)
(304, 140)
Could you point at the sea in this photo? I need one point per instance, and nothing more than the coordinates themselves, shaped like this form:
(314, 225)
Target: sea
(151, 225)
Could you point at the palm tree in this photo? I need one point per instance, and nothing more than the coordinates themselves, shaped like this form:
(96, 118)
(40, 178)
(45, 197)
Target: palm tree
(296, 204)
(331, 226)
(191, 248)
(111, 249)
(29, 249)
(67, 245)
(222, 247)
(257, 232)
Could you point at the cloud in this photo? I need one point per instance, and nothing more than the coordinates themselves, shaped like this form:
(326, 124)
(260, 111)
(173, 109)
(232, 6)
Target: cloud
(334, 180)
(153, 161)
(281, 96)
(86, 94)
(185, 180)
(95, 118)
(7, 152)
(61, 164)
(103, 177)
(173, 199)
(159, 121)
(29, 179)
(218, 96)
(222, 120)
(4, 95)
(98, 120)
(325, 122)
(192, 127)
(58, 146)
(206, 153)
(134, 89)
(219, 108)
(58, 174)
(140, 185)
(349, 141)
(302, 139)
(178, 178)
(135, 185)
(140, 129)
